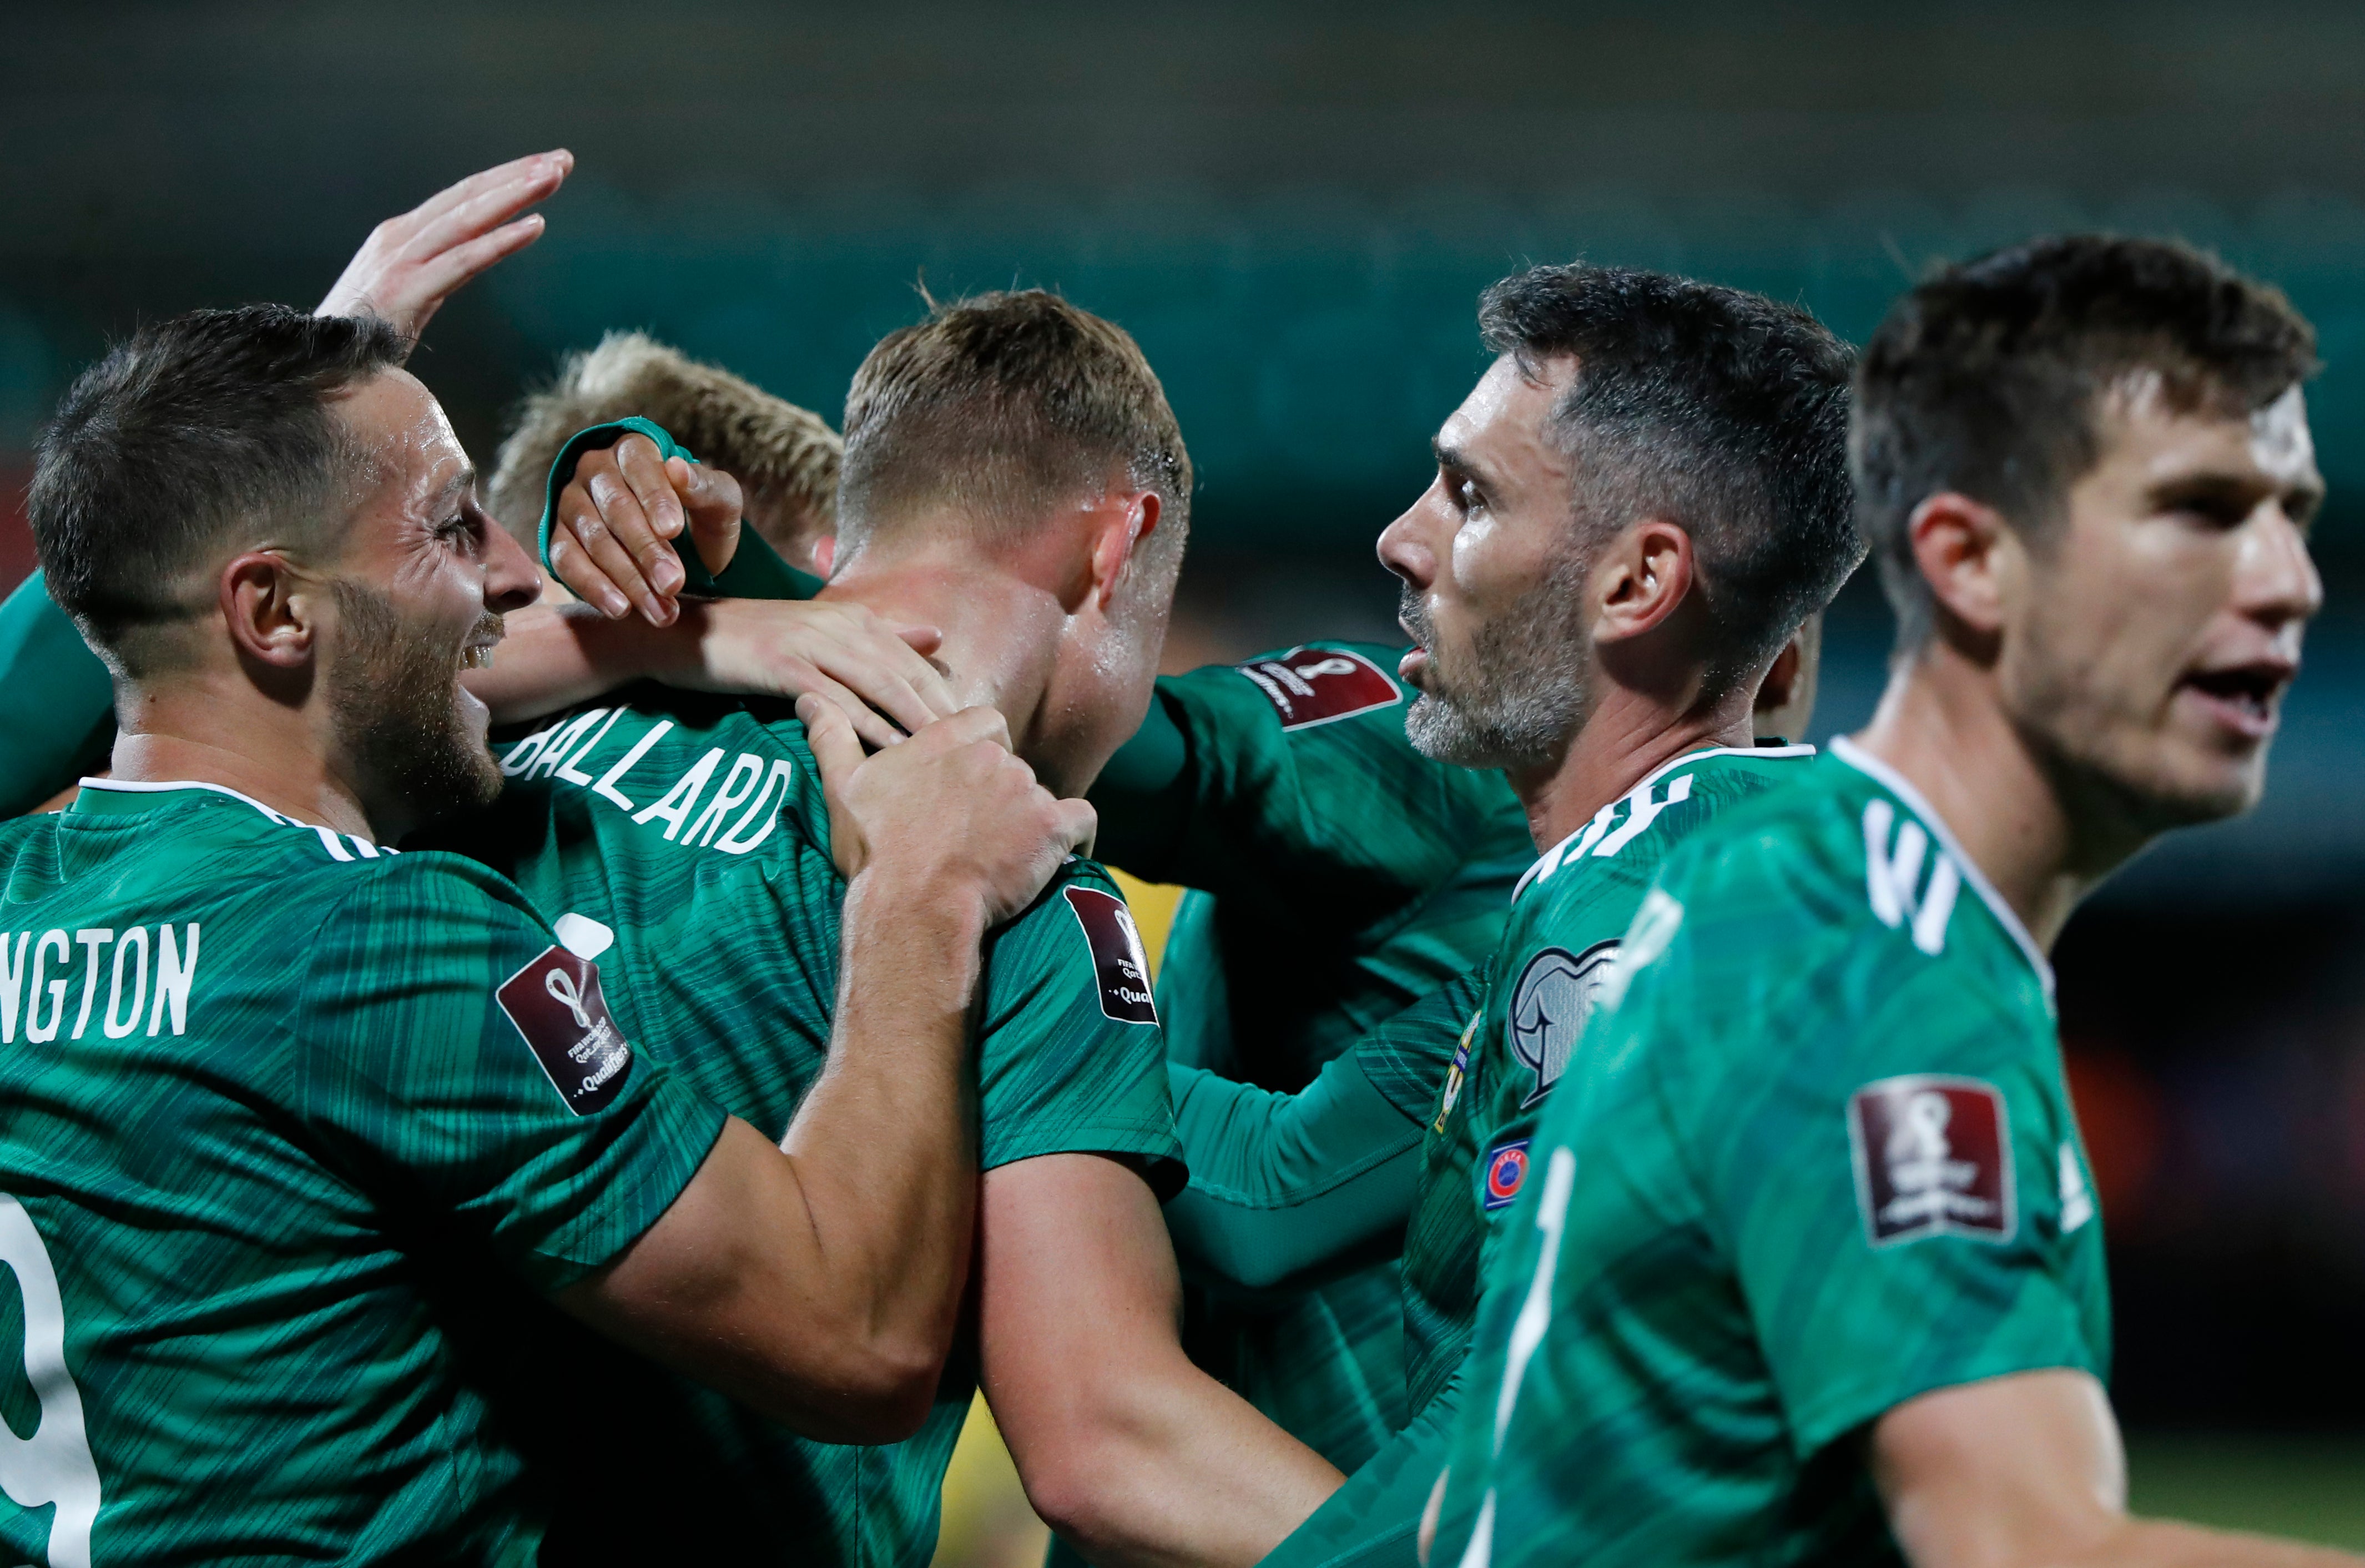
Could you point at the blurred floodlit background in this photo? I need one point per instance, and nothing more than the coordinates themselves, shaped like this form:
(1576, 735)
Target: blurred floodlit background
(1292, 206)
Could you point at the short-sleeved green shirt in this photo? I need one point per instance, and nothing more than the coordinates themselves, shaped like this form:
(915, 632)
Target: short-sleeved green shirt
(1567, 915)
(264, 1092)
(690, 831)
(1339, 876)
(1819, 1160)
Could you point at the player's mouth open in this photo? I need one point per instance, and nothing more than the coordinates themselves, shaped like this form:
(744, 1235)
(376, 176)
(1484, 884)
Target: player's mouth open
(2247, 697)
(476, 656)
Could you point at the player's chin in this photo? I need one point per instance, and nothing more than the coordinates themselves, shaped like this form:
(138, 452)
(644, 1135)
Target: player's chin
(2190, 782)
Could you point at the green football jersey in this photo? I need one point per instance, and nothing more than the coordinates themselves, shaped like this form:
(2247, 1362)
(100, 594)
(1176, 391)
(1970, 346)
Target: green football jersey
(1339, 876)
(1818, 1160)
(691, 831)
(266, 1095)
(1567, 915)
(57, 701)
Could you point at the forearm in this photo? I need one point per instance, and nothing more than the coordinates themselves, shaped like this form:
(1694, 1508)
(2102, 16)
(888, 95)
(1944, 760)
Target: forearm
(884, 1143)
(2156, 1544)
(1288, 1189)
(1170, 1467)
(557, 655)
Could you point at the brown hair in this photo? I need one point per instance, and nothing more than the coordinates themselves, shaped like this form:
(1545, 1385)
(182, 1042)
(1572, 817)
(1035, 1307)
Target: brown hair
(1989, 378)
(778, 452)
(998, 408)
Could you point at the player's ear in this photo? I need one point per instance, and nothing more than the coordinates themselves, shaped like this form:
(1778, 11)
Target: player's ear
(1968, 555)
(1641, 579)
(271, 611)
(1120, 524)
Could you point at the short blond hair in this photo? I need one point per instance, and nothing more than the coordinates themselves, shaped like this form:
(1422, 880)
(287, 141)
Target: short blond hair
(779, 452)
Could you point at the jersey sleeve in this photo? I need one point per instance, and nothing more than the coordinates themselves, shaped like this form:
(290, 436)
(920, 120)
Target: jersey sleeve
(1884, 1155)
(1290, 777)
(466, 1063)
(1070, 1059)
(1288, 1189)
(57, 701)
(1373, 1520)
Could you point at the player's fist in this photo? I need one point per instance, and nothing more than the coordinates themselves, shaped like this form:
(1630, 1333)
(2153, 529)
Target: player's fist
(613, 529)
(951, 814)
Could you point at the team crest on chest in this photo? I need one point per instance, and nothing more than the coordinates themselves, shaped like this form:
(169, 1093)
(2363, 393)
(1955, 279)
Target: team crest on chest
(1932, 1157)
(1556, 993)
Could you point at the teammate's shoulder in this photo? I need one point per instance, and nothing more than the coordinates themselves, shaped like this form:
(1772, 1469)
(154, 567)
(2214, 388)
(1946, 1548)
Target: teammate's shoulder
(1307, 685)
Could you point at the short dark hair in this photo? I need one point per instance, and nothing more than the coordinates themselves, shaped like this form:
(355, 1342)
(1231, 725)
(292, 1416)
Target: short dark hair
(194, 433)
(1723, 411)
(1988, 379)
(1002, 405)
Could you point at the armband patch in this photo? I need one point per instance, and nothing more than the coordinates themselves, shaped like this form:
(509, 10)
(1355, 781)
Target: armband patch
(1119, 965)
(1932, 1157)
(557, 1006)
(1316, 685)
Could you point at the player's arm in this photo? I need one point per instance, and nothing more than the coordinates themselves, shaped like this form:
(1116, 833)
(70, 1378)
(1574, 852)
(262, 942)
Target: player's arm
(629, 496)
(1132, 1454)
(819, 1282)
(2028, 1469)
(1289, 1189)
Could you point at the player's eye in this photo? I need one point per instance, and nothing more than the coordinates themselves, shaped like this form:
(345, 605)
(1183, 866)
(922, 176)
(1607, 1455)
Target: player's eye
(1467, 497)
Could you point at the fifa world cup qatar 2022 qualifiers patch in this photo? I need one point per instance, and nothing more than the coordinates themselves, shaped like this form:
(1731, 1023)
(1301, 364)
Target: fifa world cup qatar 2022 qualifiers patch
(1119, 965)
(557, 1004)
(1932, 1157)
(1317, 686)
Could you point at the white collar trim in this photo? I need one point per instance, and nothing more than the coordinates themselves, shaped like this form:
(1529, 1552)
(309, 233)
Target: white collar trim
(1680, 760)
(1864, 762)
(140, 787)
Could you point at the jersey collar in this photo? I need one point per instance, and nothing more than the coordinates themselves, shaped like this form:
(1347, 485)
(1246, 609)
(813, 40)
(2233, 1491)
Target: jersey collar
(1888, 779)
(1600, 821)
(127, 797)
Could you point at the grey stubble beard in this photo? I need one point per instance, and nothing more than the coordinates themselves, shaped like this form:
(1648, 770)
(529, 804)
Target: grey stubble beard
(1520, 695)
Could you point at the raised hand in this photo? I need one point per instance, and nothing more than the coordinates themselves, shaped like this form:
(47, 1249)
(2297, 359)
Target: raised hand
(410, 266)
(612, 530)
(949, 814)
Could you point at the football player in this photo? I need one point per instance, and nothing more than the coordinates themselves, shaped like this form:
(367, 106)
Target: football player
(281, 1088)
(1810, 1266)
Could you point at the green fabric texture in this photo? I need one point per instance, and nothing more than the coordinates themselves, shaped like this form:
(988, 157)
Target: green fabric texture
(691, 826)
(1374, 1521)
(267, 1111)
(1289, 1189)
(1557, 951)
(1819, 1160)
(1513, 1038)
(756, 569)
(1340, 876)
(57, 701)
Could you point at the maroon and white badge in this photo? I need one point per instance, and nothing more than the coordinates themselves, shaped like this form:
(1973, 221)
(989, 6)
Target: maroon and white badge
(1319, 685)
(1932, 1157)
(1118, 962)
(557, 1004)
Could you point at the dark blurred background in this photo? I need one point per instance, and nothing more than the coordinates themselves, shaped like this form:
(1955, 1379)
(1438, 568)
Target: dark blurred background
(1292, 206)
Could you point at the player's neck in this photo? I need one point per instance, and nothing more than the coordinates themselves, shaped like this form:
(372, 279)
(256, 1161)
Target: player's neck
(208, 732)
(1941, 725)
(1626, 737)
(1000, 629)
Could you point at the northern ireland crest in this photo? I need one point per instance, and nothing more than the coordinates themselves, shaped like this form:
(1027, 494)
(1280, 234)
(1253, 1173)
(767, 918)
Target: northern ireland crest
(1556, 995)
